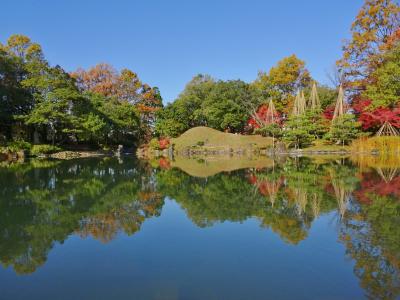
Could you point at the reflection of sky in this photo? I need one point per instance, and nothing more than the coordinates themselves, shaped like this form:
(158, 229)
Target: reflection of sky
(171, 258)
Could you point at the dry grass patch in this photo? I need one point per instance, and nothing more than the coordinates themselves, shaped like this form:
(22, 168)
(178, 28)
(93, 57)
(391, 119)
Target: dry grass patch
(381, 144)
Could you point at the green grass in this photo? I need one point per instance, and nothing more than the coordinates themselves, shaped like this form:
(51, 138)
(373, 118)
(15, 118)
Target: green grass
(211, 139)
(320, 145)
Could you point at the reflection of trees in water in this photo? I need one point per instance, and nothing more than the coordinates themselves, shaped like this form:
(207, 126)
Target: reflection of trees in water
(285, 198)
(268, 186)
(288, 198)
(127, 206)
(371, 235)
(316, 205)
(45, 204)
(387, 174)
(223, 197)
(343, 181)
(370, 228)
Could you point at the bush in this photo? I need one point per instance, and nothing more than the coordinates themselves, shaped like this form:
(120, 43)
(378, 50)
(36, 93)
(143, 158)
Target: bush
(200, 143)
(163, 143)
(16, 146)
(44, 149)
(154, 144)
(160, 144)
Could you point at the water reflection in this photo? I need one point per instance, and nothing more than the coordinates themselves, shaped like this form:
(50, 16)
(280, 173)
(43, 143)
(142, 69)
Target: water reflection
(44, 202)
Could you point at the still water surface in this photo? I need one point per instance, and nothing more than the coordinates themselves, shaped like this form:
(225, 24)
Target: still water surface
(122, 229)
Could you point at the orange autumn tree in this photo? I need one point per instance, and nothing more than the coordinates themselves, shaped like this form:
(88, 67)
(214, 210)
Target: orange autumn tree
(101, 79)
(374, 26)
(125, 86)
(283, 81)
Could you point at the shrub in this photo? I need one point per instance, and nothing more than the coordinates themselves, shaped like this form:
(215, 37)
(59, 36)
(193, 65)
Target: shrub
(163, 143)
(160, 144)
(44, 149)
(154, 144)
(200, 143)
(16, 146)
(164, 163)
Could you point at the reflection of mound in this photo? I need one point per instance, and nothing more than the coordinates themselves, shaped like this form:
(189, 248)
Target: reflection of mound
(209, 166)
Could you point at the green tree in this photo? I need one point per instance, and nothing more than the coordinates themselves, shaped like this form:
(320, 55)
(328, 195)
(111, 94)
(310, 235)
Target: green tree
(225, 107)
(222, 105)
(298, 131)
(318, 125)
(125, 86)
(94, 128)
(344, 129)
(42, 103)
(104, 120)
(384, 91)
(186, 111)
(54, 95)
(18, 58)
(15, 99)
(272, 130)
(169, 122)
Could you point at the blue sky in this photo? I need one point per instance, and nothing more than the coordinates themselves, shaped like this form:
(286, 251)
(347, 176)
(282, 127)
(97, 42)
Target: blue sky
(168, 42)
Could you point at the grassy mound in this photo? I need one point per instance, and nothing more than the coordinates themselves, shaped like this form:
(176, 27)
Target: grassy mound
(211, 139)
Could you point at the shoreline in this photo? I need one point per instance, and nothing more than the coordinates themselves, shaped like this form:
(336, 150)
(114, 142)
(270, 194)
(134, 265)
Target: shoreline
(149, 154)
(62, 155)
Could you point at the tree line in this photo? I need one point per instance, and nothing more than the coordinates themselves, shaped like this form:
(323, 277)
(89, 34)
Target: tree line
(102, 106)
(229, 105)
(40, 103)
(368, 73)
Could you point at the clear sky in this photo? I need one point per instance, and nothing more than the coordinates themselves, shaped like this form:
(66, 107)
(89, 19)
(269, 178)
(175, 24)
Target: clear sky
(167, 42)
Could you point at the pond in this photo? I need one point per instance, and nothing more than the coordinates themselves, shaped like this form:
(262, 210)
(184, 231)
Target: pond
(108, 228)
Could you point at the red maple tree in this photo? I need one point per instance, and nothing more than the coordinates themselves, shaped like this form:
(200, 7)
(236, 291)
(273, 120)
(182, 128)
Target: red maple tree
(260, 118)
(328, 112)
(376, 118)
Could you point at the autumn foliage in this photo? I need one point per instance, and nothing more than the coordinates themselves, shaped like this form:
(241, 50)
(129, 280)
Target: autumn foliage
(373, 119)
(260, 118)
(374, 185)
(163, 143)
(164, 163)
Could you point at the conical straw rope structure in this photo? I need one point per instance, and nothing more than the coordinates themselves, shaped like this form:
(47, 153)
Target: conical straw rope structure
(339, 108)
(314, 103)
